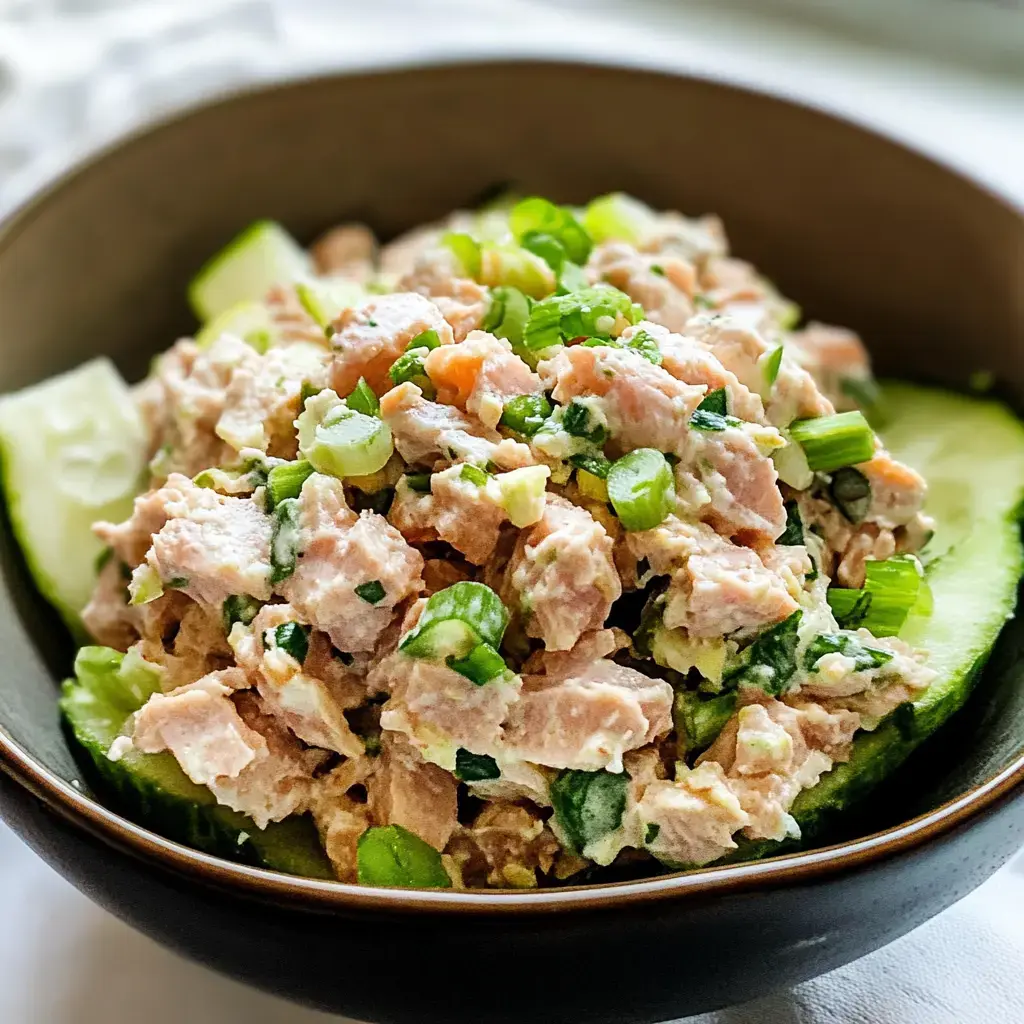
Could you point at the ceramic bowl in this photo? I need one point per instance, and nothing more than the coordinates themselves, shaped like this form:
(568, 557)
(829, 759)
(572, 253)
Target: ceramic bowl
(925, 264)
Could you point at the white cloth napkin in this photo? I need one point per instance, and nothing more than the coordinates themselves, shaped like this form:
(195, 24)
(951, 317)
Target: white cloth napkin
(74, 73)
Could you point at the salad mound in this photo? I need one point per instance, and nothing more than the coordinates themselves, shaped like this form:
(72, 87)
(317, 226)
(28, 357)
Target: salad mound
(531, 542)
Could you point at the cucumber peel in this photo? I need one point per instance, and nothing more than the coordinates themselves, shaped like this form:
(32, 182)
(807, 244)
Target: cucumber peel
(73, 452)
(153, 790)
(262, 256)
(971, 451)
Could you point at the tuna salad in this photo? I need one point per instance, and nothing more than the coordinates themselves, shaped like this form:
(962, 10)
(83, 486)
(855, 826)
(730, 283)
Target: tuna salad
(533, 541)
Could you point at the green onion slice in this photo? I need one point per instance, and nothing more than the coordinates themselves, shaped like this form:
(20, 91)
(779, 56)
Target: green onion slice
(286, 482)
(832, 442)
(641, 489)
(363, 399)
(526, 414)
(293, 639)
(389, 855)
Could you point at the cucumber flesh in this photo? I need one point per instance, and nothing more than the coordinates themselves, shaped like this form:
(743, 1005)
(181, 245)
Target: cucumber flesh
(972, 454)
(250, 321)
(73, 451)
(263, 255)
(153, 790)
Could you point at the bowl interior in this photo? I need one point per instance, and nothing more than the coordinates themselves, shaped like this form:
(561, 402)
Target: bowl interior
(858, 230)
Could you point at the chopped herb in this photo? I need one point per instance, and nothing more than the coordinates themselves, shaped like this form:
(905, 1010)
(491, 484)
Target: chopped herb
(588, 805)
(772, 365)
(699, 720)
(702, 419)
(238, 608)
(850, 491)
(646, 345)
(427, 339)
(176, 583)
(409, 368)
(371, 322)
(598, 465)
(651, 833)
(363, 399)
(770, 661)
(419, 482)
(850, 607)
(657, 268)
(372, 592)
(863, 657)
(284, 540)
(307, 391)
(716, 401)
(701, 301)
(471, 767)
(286, 481)
(794, 532)
(473, 474)
(526, 414)
(293, 639)
(578, 420)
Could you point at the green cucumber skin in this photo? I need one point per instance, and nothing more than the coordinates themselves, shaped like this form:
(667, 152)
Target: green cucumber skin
(195, 820)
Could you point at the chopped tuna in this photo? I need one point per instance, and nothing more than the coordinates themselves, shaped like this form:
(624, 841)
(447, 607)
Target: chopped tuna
(346, 251)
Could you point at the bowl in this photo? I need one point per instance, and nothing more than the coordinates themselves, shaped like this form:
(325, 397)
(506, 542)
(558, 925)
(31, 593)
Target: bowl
(856, 228)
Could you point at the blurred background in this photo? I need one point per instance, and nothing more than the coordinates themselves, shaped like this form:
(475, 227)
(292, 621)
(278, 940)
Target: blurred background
(947, 76)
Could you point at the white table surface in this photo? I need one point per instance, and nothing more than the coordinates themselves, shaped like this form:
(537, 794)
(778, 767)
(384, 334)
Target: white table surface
(75, 72)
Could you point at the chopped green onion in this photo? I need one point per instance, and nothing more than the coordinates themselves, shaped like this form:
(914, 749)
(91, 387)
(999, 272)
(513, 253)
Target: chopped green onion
(850, 491)
(863, 657)
(284, 541)
(176, 583)
(641, 489)
(286, 481)
(592, 312)
(507, 315)
(770, 661)
(409, 368)
(474, 607)
(372, 592)
(466, 249)
(794, 531)
(547, 247)
(238, 608)
(579, 421)
(480, 666)
(307, 391)
(341, 442)
(363, 399)
(427, 339)
(537, 216)
(831, 442)
(389, 855)
(525, 414)
(473, 474)
(771, 366)
(418, 482)
(618, 216)
(651, 833)
(588, 805)
(646, 345)
(471, 767)
(598, 465)
(699, 720)
(293, 639)
(716, 401)
(892, 589)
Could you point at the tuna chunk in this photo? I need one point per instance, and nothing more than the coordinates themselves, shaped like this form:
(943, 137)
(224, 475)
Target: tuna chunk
(726, 478)
(346, 251)
(456, 510)
(716, 587)
(562, 576)
(186, 639)
(340, 818)
(505, 847)
(439, 710)
(589, 719)
(835, 358)
(108, 617)
(263, 398)
(408, 791)
(462, 301)
(480, 375)
(370, 337)
(696, 239)
(644, 405)
(697, 816)
(339, 553)
(739, 348)
(210, 546)
(689, 361)
(307, 705)
(663, 284)
(897, 491)
(428, 432)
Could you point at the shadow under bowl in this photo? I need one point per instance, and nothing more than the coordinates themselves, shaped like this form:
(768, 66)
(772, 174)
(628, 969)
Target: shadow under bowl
(925, 264)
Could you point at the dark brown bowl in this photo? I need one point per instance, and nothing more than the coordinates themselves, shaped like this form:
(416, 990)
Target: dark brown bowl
(859, 230)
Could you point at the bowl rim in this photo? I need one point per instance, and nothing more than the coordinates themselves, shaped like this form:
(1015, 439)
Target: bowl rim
(88, 814)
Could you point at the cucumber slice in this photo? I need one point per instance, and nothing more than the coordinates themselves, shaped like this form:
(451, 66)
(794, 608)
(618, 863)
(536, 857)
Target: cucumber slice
(972, 454)
(263, 255)
(73, 451)
(250, 321)
(153, 790)
(324, 299)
